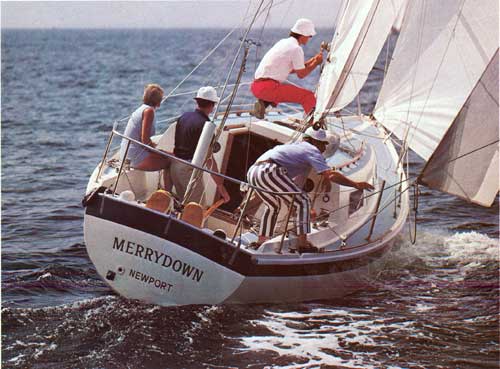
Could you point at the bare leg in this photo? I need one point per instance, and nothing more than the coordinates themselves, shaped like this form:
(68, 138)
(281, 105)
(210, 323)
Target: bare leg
(154, 162)
(301, 241)
(262, 239)
(167, 180)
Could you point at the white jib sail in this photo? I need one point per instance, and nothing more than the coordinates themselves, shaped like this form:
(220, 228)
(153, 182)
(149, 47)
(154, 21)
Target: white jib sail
(398, 23)
(442, 51)
(466, 161)
(359, 37)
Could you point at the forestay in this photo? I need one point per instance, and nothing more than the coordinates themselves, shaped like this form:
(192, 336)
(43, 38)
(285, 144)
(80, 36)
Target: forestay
(442, 51)
(466, 162)
(359, 36)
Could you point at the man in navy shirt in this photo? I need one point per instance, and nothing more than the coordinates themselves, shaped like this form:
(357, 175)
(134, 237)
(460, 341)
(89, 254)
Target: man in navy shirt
(187, 134)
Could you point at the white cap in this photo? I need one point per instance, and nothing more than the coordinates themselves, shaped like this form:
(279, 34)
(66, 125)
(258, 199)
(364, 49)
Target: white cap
(304, 27)
(207, 93)
(334, 144)
(318, 135)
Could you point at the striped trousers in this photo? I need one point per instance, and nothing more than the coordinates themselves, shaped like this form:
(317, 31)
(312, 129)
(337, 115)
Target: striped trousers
(272, 177)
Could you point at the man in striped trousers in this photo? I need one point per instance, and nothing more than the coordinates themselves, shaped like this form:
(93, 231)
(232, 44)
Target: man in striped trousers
(274, 171)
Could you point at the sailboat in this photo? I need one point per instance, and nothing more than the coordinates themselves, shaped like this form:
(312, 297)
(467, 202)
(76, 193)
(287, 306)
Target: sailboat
(439, 98)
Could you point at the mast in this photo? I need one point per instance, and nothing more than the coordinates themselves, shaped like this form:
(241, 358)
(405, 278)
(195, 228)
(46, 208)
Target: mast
(203, 150)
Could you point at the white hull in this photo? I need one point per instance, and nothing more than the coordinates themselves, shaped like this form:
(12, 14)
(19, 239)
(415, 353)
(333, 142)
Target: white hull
(156, 258)
(169, 275)
(158, 271)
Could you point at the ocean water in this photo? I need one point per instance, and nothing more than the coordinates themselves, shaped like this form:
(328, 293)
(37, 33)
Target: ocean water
(432, 304)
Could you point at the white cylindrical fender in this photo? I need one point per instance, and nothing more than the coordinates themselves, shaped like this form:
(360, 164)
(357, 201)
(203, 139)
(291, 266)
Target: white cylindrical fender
(203, 144)
(201, 150)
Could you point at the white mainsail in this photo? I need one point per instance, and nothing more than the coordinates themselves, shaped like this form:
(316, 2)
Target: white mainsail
(359, 37)
(466, 161)
(442, 51)
(398, 23)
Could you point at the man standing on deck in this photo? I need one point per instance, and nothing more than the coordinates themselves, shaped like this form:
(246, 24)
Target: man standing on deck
(187, 134)
(274, 171)
(285, 57)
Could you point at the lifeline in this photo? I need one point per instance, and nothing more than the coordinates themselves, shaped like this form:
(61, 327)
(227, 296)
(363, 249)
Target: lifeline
(159, 258)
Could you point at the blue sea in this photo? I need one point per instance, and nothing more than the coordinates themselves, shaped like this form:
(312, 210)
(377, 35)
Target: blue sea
(432, 304)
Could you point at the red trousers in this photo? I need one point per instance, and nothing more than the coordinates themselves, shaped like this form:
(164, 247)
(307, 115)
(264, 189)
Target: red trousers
(276, 92)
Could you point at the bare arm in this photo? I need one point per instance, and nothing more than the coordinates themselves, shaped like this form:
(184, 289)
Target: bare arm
(336, 177)
(147, 120)
(219, 181)
(309, 66)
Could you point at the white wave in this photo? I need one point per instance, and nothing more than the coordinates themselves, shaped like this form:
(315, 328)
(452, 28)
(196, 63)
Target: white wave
(17, 358)
(322, 337)
(205, 317)
(92, 304)
(472, 249)
(46, 275)
(437, 248)
(43, 350)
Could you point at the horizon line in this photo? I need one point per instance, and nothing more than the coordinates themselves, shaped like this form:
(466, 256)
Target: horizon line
(132, 28)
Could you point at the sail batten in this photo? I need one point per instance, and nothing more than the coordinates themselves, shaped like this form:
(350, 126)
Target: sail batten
(359, 38)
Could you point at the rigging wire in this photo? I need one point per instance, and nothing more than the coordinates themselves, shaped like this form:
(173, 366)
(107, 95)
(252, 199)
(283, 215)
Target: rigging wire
(200, 63)
(473, 151)
(373, 193)
(269, 7)
(355, 56)
(322, 217)
(359, 133)
(345, 134)
(211, 51)
(243, 42)
(412, 180)
(195, 177)
(413, 237)
(216, 86)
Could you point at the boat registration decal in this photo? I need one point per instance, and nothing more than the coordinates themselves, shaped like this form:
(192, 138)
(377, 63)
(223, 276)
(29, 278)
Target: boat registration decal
(158, 283)
(160, 258)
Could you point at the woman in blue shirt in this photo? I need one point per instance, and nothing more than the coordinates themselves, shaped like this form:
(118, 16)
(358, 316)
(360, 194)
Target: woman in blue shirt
(141, 127)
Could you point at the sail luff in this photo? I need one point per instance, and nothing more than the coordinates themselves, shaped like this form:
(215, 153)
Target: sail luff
(359, 38)
(352, 55)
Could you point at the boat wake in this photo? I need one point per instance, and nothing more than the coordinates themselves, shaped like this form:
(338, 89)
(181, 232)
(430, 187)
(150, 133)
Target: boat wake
(437, 291)
(409, 307)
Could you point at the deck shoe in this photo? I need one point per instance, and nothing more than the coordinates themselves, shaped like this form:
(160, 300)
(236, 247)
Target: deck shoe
(309, 248)
(259, 109)
(254, 245)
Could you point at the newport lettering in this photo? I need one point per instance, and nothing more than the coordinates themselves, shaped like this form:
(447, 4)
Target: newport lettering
(162, 285)
(158, 257)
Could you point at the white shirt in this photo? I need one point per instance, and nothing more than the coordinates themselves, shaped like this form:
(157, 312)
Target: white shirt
(286, 55)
